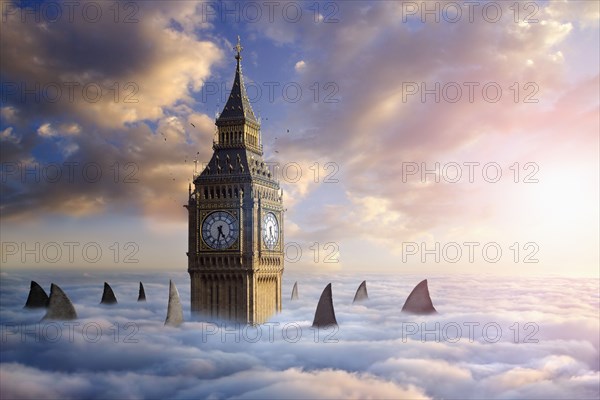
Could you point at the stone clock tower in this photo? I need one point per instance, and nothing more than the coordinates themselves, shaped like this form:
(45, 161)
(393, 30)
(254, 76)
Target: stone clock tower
(235, 256)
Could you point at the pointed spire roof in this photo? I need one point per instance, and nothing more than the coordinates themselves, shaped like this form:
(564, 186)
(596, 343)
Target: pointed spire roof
(238, 106)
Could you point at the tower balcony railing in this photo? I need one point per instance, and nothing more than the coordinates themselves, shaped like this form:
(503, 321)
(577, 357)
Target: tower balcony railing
(217, 145)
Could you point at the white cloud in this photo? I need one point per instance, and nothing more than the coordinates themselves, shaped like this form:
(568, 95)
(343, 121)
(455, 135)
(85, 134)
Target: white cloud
(70, 129)
(372, 355)
(9, 136)
(46, 130)
(300, 66)
(151, 67)
(68, 148)
(63, 130)
(8, 113)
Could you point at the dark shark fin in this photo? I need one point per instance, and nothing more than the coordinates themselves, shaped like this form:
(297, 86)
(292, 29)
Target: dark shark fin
(174, 310)
(142, 293)
(108, 296)
(418, 301)
(325, 315)
(361, 293)
(59, 305)
(295, 291)
(37, 296)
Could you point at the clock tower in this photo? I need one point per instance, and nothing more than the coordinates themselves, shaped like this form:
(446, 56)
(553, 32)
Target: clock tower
(235, 249)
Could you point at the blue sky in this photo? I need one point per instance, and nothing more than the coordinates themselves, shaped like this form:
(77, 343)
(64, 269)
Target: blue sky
(371, 128)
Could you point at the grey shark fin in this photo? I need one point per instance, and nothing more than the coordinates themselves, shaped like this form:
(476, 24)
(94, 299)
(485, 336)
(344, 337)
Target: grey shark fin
(325, 315)
(108, 296)
(142, 293)
(361, 293)
(59, 305)
(174, 310)
(37, 296)
(295, 291)
(419, 301)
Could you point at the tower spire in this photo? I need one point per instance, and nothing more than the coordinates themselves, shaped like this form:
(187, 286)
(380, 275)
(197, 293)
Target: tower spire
(237, 108)
(238, 48)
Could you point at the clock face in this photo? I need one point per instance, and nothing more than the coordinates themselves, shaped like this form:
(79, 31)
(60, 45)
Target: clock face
(270, 230)
(220, 230)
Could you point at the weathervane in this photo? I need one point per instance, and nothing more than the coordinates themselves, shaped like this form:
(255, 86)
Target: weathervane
(238, 48)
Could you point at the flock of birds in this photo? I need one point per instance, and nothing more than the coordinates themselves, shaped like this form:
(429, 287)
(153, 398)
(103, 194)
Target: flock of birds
(172, 177)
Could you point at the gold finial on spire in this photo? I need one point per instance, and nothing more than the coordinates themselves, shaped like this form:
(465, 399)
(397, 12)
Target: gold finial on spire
(238, 48)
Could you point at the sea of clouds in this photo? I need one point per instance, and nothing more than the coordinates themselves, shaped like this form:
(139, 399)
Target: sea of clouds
(494, 337)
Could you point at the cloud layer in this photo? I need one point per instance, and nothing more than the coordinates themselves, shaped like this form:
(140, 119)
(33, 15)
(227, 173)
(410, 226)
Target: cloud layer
(547, 348)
